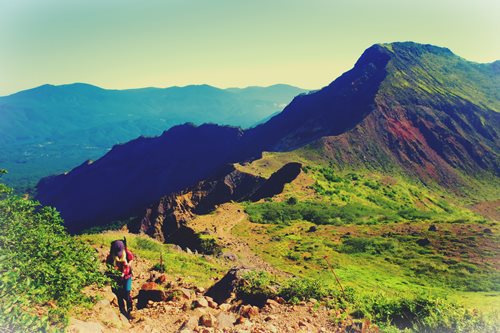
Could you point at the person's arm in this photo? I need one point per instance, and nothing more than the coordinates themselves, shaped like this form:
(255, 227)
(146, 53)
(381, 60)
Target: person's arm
(130, 259)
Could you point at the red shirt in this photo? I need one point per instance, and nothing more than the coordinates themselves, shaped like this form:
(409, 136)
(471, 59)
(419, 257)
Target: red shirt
(125, 269)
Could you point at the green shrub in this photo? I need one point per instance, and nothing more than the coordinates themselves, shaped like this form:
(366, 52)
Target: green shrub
(208, 245)
(301, 289)
(39, 263)
(423, 313)
(255, 287)
(159, 267)
(372, 245)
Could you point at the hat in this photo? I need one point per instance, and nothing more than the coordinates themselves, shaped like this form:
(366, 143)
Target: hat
(117, 248)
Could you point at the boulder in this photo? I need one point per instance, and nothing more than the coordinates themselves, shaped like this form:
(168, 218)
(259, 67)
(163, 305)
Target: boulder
(423, 242)
(433, 228)
(222, 290)
(200, 302)
(249, 311)
(208, 320)
(313, 229)
(190, 324)
(230, 256)
(150, 292)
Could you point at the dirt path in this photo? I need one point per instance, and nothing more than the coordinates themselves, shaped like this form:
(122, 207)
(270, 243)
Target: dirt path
(220, 225)
(183, 313)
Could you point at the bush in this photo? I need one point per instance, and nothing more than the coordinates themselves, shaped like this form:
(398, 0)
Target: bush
(39, 263)
(424, 314)
(208, 245)
(372, 245)
(256, 287)
(301, 289)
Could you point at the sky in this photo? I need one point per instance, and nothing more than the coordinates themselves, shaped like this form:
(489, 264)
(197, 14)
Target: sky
(122, 44)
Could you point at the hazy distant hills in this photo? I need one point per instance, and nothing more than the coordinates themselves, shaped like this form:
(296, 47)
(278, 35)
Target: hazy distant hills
(405, 107)
(49, 129)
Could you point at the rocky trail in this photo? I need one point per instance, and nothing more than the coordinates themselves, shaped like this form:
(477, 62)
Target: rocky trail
(165, 304)
(220, 224)
(162, 304)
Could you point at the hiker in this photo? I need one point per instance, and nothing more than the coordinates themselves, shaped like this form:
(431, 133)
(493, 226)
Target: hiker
(121, 259)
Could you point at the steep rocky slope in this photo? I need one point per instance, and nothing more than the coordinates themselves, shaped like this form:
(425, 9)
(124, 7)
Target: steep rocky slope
(167, 219)
(133, 175)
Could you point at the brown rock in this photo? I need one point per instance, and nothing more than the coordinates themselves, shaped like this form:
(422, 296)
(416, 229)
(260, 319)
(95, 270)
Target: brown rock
(208, 320)
(225, 307)
(184, 293)
(150, 286)
(201, 302)
(249, 311)
(240, 320)
(213, 304)
(206, 330)
(271, 303)
(190, 324)
(161, 279)
(280, 300)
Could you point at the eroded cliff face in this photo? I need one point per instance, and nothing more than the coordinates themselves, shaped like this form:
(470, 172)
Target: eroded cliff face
(168, 219)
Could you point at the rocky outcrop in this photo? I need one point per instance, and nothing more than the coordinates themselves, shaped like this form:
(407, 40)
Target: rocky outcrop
(167, 220)
(276, 183)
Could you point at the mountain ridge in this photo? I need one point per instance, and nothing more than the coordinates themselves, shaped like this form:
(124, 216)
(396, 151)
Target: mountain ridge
(399, 107)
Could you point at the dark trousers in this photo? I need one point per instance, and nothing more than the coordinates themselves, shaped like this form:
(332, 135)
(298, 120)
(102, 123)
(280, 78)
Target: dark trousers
(122, 292)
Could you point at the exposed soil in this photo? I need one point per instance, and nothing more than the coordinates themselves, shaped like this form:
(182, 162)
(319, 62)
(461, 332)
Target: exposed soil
(488, 209)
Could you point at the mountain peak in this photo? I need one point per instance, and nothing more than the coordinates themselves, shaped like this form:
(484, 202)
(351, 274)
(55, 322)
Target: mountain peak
(400, 48)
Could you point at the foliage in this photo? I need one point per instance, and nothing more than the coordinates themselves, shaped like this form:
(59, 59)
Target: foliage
(256, 287)
(422, 313)
(208, 245)
(356, 198)
(372, 245)
(302, 289)
(39, 264)
(159, 267)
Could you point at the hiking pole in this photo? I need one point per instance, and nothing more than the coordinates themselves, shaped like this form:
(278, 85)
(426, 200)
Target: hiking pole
(336, 277)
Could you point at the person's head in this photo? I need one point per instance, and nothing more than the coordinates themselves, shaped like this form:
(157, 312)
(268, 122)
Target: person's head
(117, 248)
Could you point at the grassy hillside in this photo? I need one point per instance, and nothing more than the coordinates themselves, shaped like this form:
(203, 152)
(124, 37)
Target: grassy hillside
(388, 238)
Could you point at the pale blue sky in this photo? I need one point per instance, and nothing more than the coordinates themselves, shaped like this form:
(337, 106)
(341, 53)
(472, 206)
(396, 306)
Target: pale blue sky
(226, 43)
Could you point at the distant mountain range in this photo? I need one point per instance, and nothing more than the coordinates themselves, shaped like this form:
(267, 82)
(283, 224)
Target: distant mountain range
(406, 107)
(50, 129)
